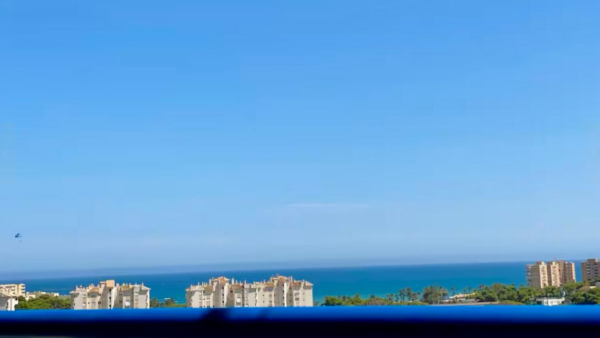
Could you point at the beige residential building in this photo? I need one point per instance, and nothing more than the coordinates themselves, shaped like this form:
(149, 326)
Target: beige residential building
(567, 272)
(554, 278)
(15, 290)
(110, 295)
(555, 273)
(537, 275)
(223, 292)
(8, 303)
(590, 270)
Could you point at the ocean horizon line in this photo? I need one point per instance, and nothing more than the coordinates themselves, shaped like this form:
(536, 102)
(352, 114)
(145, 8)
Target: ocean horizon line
(379, 280)
(13, 276)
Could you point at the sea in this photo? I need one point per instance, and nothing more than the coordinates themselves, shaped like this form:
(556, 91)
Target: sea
(365, 281)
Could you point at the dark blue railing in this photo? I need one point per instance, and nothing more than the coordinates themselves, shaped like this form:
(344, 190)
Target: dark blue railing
(406, 321)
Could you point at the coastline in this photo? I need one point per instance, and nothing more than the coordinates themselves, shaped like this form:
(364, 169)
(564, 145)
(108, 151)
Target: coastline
(362, 280)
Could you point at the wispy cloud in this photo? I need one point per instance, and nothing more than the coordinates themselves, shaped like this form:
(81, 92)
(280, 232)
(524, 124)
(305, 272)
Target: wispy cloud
(161, 242)
(327, 205)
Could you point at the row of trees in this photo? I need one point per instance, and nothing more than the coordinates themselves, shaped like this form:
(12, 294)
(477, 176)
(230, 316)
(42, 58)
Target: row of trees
(575, 293)
(155, 303)
(44, 302)
(404, 295)
(511, 294)
(357, 300)
(430, 295)
(47, 302)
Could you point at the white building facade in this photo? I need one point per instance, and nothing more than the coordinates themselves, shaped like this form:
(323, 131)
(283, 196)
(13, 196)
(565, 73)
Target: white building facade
(278, 291)
(110, 295)
(8, 302)
(14, 290)
(550, 301)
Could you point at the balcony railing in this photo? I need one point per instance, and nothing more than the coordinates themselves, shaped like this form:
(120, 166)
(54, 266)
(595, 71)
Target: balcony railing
(396, 321)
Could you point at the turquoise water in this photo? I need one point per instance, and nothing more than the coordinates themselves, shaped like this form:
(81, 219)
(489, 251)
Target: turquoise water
(365, 281)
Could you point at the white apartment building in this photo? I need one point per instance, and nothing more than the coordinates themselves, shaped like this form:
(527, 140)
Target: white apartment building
(223, 292)
(14, 290)
(110, 295)
(8, 302)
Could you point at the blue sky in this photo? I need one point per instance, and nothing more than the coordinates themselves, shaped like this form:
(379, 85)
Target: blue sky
(141, 133)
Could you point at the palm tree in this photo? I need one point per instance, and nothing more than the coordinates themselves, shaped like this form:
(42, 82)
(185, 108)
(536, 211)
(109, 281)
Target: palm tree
(432, 295)
(443, 293)
(453, 293)
(402, 294)
(409, 293)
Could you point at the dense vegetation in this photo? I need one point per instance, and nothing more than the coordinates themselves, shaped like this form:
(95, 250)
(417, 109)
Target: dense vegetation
(358, 301)
(431, 295)
(584, 296)
(576, 293)
(44, 302)
(511, 294)
(155, 303)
